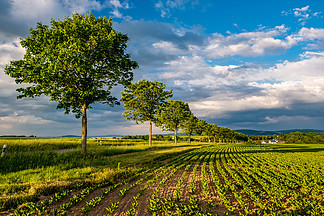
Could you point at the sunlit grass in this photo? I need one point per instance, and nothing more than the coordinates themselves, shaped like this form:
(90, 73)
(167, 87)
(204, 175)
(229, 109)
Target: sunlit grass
(31, 163)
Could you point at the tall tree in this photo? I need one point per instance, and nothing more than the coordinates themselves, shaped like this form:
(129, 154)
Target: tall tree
(76, 62)
(190, 125)
(172, 115)
(142, 99)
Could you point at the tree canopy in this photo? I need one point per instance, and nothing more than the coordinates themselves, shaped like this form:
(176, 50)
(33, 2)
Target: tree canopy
(141, 100)
(76, 62)
(172, 115)
(200, 125)
(189, 126)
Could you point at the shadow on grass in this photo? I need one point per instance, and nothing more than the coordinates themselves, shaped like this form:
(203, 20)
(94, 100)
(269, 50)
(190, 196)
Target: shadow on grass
(98, 156)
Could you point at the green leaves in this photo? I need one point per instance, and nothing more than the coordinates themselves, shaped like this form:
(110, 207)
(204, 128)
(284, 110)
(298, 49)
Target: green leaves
(142, 99)
(173, 115)
(190, 124)
(75, 61)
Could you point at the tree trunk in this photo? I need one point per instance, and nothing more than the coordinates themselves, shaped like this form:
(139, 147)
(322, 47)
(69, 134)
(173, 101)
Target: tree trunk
(175, 136)
(84, 131)
(150, 133)
(189, 139)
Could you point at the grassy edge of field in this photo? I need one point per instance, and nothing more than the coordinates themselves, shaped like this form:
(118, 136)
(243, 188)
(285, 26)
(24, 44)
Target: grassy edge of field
(117, 168)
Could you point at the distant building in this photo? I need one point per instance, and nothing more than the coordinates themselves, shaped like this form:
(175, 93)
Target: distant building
(272, 141)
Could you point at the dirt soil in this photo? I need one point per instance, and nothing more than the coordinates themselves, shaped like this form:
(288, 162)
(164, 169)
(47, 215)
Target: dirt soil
(166, 191)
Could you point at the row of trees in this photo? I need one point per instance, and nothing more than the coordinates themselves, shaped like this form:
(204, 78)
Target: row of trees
(78, 60)
(147, 101)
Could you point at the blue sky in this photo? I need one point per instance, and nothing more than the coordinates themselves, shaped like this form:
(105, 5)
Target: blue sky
(239, 64)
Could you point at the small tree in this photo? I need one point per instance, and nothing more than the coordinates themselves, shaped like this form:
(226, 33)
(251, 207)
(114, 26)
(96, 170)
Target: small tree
(214, 131)
(208, 131)
(142, 99)
(172, 115)
(190, 125)
(199, 128)
(76, 62)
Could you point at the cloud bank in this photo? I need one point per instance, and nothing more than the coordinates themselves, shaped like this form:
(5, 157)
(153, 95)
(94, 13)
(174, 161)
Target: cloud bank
(268, 78)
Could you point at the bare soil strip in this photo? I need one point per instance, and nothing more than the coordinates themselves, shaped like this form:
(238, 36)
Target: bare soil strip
(170, 186)
(218, 208)
(185, 194)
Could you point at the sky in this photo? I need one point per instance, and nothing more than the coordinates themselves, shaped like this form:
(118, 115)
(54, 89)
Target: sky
(238, 64)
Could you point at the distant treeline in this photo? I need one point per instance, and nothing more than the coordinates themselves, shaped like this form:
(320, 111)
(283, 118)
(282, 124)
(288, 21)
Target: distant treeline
(223, 135)
(17, 136)
(228, 135)
(307, 138)
(295, 137)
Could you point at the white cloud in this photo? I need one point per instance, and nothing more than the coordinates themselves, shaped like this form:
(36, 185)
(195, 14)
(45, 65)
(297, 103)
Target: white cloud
(214, 107)
(303, 9)
(82, 6)
(16, 118)
(37, 10)
(117, 5)
(278, 87)
(165, 12)
(303, 14)
(11, 51)
(273, 96)
(309, 67)
(180, 4)
(166, 47)
(249, 43)
(278, 119)
(164, 6)
(136, 129)
(21, 15)
(259, 43)
(311, 33)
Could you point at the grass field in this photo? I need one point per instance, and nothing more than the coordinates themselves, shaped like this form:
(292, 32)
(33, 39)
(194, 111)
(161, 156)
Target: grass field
(131, 178)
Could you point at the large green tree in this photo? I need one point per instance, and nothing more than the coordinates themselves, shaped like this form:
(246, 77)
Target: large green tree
(76, 62)
(141, 100)
(172, 115)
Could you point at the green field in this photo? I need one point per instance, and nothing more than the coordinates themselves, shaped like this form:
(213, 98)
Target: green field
(48, 176)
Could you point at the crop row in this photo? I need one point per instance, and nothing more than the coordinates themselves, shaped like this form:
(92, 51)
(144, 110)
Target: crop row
(245, 180)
